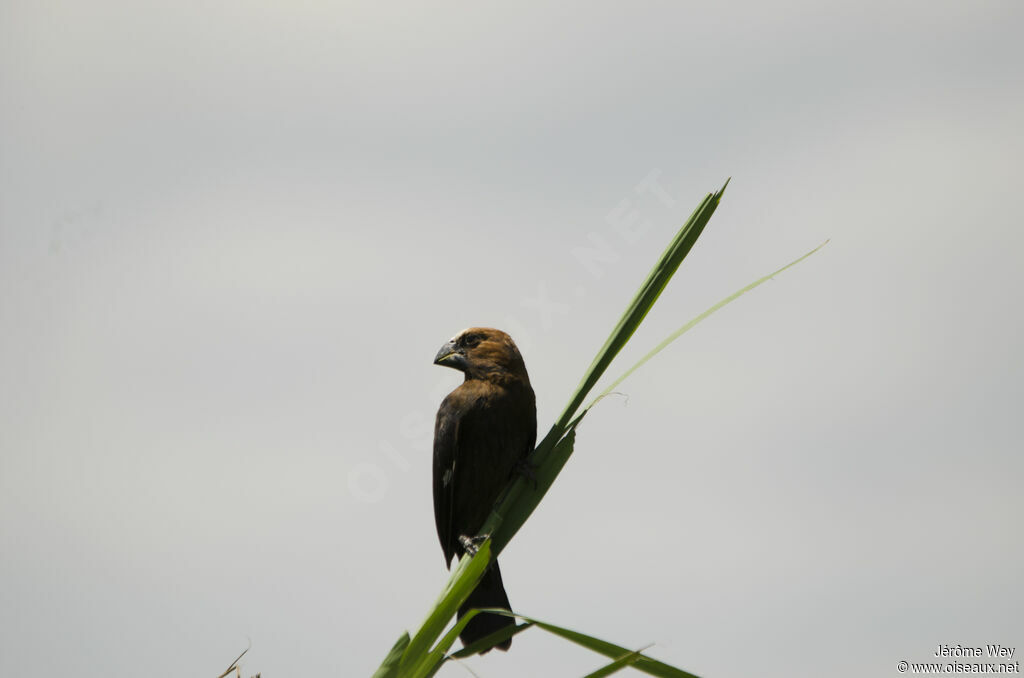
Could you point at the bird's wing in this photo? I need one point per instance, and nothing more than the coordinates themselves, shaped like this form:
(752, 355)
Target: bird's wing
(480, 435)
(446, 445)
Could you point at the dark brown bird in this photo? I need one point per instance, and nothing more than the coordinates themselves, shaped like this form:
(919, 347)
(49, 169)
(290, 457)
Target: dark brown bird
(484, 431)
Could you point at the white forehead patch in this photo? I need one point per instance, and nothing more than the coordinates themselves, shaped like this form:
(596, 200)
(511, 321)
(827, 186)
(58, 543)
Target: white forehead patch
(459, 335)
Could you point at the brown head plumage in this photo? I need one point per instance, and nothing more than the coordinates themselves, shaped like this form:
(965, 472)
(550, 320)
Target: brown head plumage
(483, 353)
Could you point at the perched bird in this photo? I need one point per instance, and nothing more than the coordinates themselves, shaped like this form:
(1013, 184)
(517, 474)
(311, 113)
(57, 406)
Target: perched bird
(484, 431)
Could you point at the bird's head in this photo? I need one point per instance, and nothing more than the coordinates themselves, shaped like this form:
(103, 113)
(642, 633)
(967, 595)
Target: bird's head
(483, 353)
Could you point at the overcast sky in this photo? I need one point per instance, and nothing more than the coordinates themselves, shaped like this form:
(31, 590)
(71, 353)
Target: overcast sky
(232, 238)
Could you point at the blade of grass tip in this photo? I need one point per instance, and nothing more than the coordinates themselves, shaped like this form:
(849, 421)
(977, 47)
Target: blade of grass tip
(690, 325)
(461, 583)
(644, 299)
(389, 669)
(234, 664)
(618, 664)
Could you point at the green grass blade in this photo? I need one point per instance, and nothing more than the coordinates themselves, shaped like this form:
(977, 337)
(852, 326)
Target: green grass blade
(433, 660)
(489, 641)
(690, 325)
(554, 450)
(617, 665)
(461, 583)
(643, 663)
(641, 304)
(615, 652)
(514, 514)
(389, 669)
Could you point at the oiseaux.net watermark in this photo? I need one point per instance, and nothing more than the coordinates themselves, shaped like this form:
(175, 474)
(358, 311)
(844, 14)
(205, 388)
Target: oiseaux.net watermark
(946, 658)
(625, 225)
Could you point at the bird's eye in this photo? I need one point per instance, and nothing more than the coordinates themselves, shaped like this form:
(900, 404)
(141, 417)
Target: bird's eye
(471, 340)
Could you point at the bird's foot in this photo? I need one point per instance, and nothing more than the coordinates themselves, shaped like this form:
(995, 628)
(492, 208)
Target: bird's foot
(472, 544)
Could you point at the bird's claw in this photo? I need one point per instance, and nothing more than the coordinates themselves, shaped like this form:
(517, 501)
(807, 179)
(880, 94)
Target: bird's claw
(472, 544)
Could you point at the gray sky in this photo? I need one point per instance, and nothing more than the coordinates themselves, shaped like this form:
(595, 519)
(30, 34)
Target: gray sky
(233, 237)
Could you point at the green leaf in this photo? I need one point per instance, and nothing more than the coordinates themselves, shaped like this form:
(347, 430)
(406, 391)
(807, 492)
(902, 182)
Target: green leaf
(692, 323)
(389, 669)
(521, 498)
(617, 665)
(615, 652)
(642, 303)
(546, 471)
(643, 663)
(461, 583)
(436, 657)
(489, 641)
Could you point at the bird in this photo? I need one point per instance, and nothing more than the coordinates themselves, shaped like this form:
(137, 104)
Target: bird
(484, 432)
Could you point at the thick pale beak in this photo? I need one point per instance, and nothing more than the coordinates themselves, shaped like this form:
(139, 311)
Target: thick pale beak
(452, 356)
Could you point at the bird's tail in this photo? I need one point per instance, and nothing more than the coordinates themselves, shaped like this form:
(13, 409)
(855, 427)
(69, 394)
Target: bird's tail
(490, 592)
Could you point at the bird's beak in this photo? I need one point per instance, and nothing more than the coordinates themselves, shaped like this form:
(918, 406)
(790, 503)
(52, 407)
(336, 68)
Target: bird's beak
(451, 355)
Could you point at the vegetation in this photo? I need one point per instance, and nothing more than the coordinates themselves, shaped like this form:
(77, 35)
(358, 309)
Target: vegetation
(423, 654)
